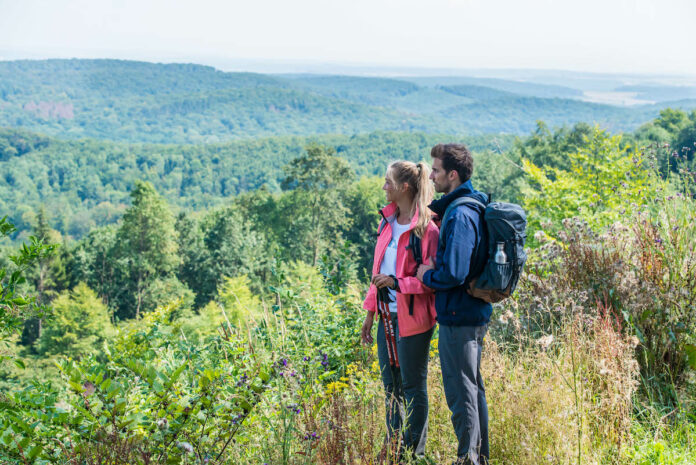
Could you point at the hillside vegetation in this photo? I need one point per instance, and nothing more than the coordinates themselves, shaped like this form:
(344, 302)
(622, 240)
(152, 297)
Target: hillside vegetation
(131, 101)
(229, 334)
(85, 183)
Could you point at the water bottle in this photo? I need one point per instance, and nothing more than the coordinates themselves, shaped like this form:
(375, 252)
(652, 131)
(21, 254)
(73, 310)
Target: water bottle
(500, 257)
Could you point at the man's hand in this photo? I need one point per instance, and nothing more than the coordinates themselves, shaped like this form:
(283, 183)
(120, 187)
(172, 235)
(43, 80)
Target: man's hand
(366, 331)
(382, 280)
(428, 265)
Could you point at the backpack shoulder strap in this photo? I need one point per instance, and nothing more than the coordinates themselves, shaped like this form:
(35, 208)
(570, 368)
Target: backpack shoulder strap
(382, 224)
(414, 243)
(450, 208)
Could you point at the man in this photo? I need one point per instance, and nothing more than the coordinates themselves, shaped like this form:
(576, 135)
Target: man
(463, 319)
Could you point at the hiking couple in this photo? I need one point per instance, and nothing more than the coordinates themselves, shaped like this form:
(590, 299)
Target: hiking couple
(415, 283)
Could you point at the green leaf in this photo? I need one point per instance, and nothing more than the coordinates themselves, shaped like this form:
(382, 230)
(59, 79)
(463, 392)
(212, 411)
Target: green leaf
(36, 450)
(20, 364)
(19, 301)
(690, 350)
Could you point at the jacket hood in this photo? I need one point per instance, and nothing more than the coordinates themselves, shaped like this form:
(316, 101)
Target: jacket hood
(465, 190)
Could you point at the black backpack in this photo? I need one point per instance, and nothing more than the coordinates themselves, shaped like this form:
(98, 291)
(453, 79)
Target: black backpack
(505, 223)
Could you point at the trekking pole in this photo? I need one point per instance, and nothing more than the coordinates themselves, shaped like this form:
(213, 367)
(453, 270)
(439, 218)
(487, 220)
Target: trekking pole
(389, 333)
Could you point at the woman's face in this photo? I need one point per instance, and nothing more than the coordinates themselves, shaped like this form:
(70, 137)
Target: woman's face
(392, 193)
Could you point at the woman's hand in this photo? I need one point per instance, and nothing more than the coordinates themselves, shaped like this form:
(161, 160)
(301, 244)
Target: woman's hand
(382, 280)
(366, 331)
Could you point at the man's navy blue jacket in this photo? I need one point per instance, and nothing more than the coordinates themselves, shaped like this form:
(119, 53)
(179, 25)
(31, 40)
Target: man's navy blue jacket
(463, 232)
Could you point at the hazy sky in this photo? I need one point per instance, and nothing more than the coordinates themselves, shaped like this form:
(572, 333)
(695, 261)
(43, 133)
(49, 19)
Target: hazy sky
(646, 36)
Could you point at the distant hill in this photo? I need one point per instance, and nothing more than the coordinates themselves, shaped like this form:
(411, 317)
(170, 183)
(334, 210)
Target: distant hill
(660, 93)
(130, 101)
(516, 87)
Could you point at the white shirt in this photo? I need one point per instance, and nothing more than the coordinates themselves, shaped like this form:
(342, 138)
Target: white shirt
(388, 266)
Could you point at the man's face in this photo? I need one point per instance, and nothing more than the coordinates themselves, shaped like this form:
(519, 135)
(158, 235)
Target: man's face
(440, 177)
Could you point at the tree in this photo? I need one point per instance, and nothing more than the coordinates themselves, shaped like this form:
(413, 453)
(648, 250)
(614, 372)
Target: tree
(224, 244)
(364, 199)
(96, 260)
(43, 276)
(16, 308)
(147, 240)
(315, 209)
(80, 324)
(685, 142)
(603, 180)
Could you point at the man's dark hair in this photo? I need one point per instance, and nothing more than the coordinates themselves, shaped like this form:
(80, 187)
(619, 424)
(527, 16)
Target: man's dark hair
(455, 157)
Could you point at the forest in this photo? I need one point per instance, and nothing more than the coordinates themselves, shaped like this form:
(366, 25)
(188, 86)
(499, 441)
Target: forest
(129, 101)
(201, 303)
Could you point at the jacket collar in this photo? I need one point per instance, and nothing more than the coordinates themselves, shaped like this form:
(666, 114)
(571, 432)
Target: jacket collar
(464, 190)
(389, 214)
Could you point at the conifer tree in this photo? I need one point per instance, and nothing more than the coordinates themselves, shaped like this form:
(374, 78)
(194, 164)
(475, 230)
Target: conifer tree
(147, 240)
(316, 212)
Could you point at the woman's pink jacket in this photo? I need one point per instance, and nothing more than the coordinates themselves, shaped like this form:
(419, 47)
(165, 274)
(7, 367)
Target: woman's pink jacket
(423, 317)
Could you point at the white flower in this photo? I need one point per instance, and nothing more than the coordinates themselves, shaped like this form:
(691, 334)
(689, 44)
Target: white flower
(540, 236)
(545, 341)
(186, 447)
(505, 317)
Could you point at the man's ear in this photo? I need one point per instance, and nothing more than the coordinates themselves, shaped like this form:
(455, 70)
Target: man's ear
(452, 175)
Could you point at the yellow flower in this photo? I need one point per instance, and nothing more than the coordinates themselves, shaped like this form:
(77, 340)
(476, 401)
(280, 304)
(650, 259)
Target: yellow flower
(335, 387)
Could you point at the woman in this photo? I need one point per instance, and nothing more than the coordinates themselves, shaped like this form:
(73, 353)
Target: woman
(411, 312)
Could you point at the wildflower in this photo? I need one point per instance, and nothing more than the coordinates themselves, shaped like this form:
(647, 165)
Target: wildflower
(540, 236)
(89, 388)
(242, 380)
(505, 317)
(545, 341)
(335, 387)
(634, 341)
(185, 446)
(162, 423)
(294, 408)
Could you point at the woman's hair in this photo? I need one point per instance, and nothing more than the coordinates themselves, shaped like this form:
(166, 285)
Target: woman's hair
(417, 176)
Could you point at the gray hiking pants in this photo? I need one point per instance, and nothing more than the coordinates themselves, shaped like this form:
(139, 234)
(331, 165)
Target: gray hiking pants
(460, 359)
(409, 383)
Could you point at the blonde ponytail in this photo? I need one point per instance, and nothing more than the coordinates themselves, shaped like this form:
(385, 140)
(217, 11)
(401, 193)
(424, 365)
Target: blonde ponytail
(424, 195)
(417, 176)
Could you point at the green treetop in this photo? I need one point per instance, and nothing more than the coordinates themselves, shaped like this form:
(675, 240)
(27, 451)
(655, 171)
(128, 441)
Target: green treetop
(148, 240)
(80, 323)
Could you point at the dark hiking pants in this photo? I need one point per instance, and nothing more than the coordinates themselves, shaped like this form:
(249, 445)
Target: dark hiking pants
(460, 359)
(411, 381)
